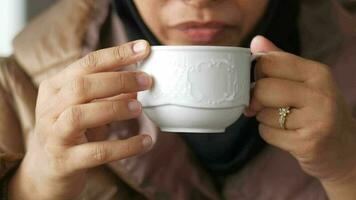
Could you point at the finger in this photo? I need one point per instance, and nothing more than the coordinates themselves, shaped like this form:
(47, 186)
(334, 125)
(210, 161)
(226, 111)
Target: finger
(286, 140)
(296, 119)
(275, 93)
(90, 155)
(104, 60)
(285, 66)
(103, 85)
(97, 86)
(278, 64)
(76, 119)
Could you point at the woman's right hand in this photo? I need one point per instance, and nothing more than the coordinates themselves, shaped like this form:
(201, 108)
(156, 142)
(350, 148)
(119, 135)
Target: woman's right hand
(77, 99)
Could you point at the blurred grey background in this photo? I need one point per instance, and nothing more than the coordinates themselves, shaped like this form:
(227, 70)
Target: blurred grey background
(13, 16)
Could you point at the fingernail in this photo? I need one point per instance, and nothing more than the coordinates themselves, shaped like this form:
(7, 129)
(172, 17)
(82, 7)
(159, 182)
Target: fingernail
(147, 142)
(134, 106)
(143, 80)
(139, 47)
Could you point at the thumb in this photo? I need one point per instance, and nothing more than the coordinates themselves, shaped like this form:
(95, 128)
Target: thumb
(260, 44)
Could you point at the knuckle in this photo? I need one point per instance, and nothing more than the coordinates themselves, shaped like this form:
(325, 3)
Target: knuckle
(79, 87)
(90, 61)
(121, 82)
(115, 108)
(101, 154)
(121, 53)
(128, 149)
(74, 116)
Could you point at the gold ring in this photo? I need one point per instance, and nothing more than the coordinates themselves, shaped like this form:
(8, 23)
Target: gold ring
(283, 113)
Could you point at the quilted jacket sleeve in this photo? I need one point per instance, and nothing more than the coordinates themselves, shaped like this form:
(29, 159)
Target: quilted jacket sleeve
(17, 105)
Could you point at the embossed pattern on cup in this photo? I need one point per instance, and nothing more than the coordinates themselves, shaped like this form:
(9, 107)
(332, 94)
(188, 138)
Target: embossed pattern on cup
(213, 77)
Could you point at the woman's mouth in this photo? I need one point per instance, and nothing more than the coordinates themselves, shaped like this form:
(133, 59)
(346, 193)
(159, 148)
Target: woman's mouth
(201, 32)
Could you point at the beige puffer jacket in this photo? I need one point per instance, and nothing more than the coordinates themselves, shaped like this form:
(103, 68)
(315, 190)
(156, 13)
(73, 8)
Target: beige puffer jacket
(70, 29)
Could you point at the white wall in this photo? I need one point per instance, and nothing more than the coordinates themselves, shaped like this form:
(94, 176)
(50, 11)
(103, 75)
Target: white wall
(12, 19)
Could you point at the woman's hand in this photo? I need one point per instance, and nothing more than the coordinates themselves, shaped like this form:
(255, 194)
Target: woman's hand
(87, 94)
(320, 131)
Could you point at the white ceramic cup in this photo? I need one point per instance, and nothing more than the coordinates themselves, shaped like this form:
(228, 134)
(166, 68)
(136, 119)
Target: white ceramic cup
(196, 89)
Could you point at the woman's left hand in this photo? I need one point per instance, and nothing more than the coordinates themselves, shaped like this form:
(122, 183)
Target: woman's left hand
(319, 130)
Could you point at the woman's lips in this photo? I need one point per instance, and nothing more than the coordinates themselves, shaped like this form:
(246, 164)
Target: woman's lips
(202, 35)
(198, 32)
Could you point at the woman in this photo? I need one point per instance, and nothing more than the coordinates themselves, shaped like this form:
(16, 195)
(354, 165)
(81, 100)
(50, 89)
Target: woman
(86, 114)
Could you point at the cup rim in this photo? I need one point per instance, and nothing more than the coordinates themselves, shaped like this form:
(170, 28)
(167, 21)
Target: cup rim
(199, 47)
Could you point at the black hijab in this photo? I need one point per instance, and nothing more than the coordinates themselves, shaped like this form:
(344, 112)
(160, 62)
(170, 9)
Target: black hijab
(226, 153)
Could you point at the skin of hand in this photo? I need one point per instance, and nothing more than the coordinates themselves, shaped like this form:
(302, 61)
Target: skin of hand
(320, 130)
(88, 94)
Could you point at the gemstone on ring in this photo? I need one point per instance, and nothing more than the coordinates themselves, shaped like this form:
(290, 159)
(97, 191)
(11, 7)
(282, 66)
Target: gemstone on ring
(283, 113)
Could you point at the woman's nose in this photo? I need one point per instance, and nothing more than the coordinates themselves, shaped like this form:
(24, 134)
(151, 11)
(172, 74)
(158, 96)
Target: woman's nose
(199, 3)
